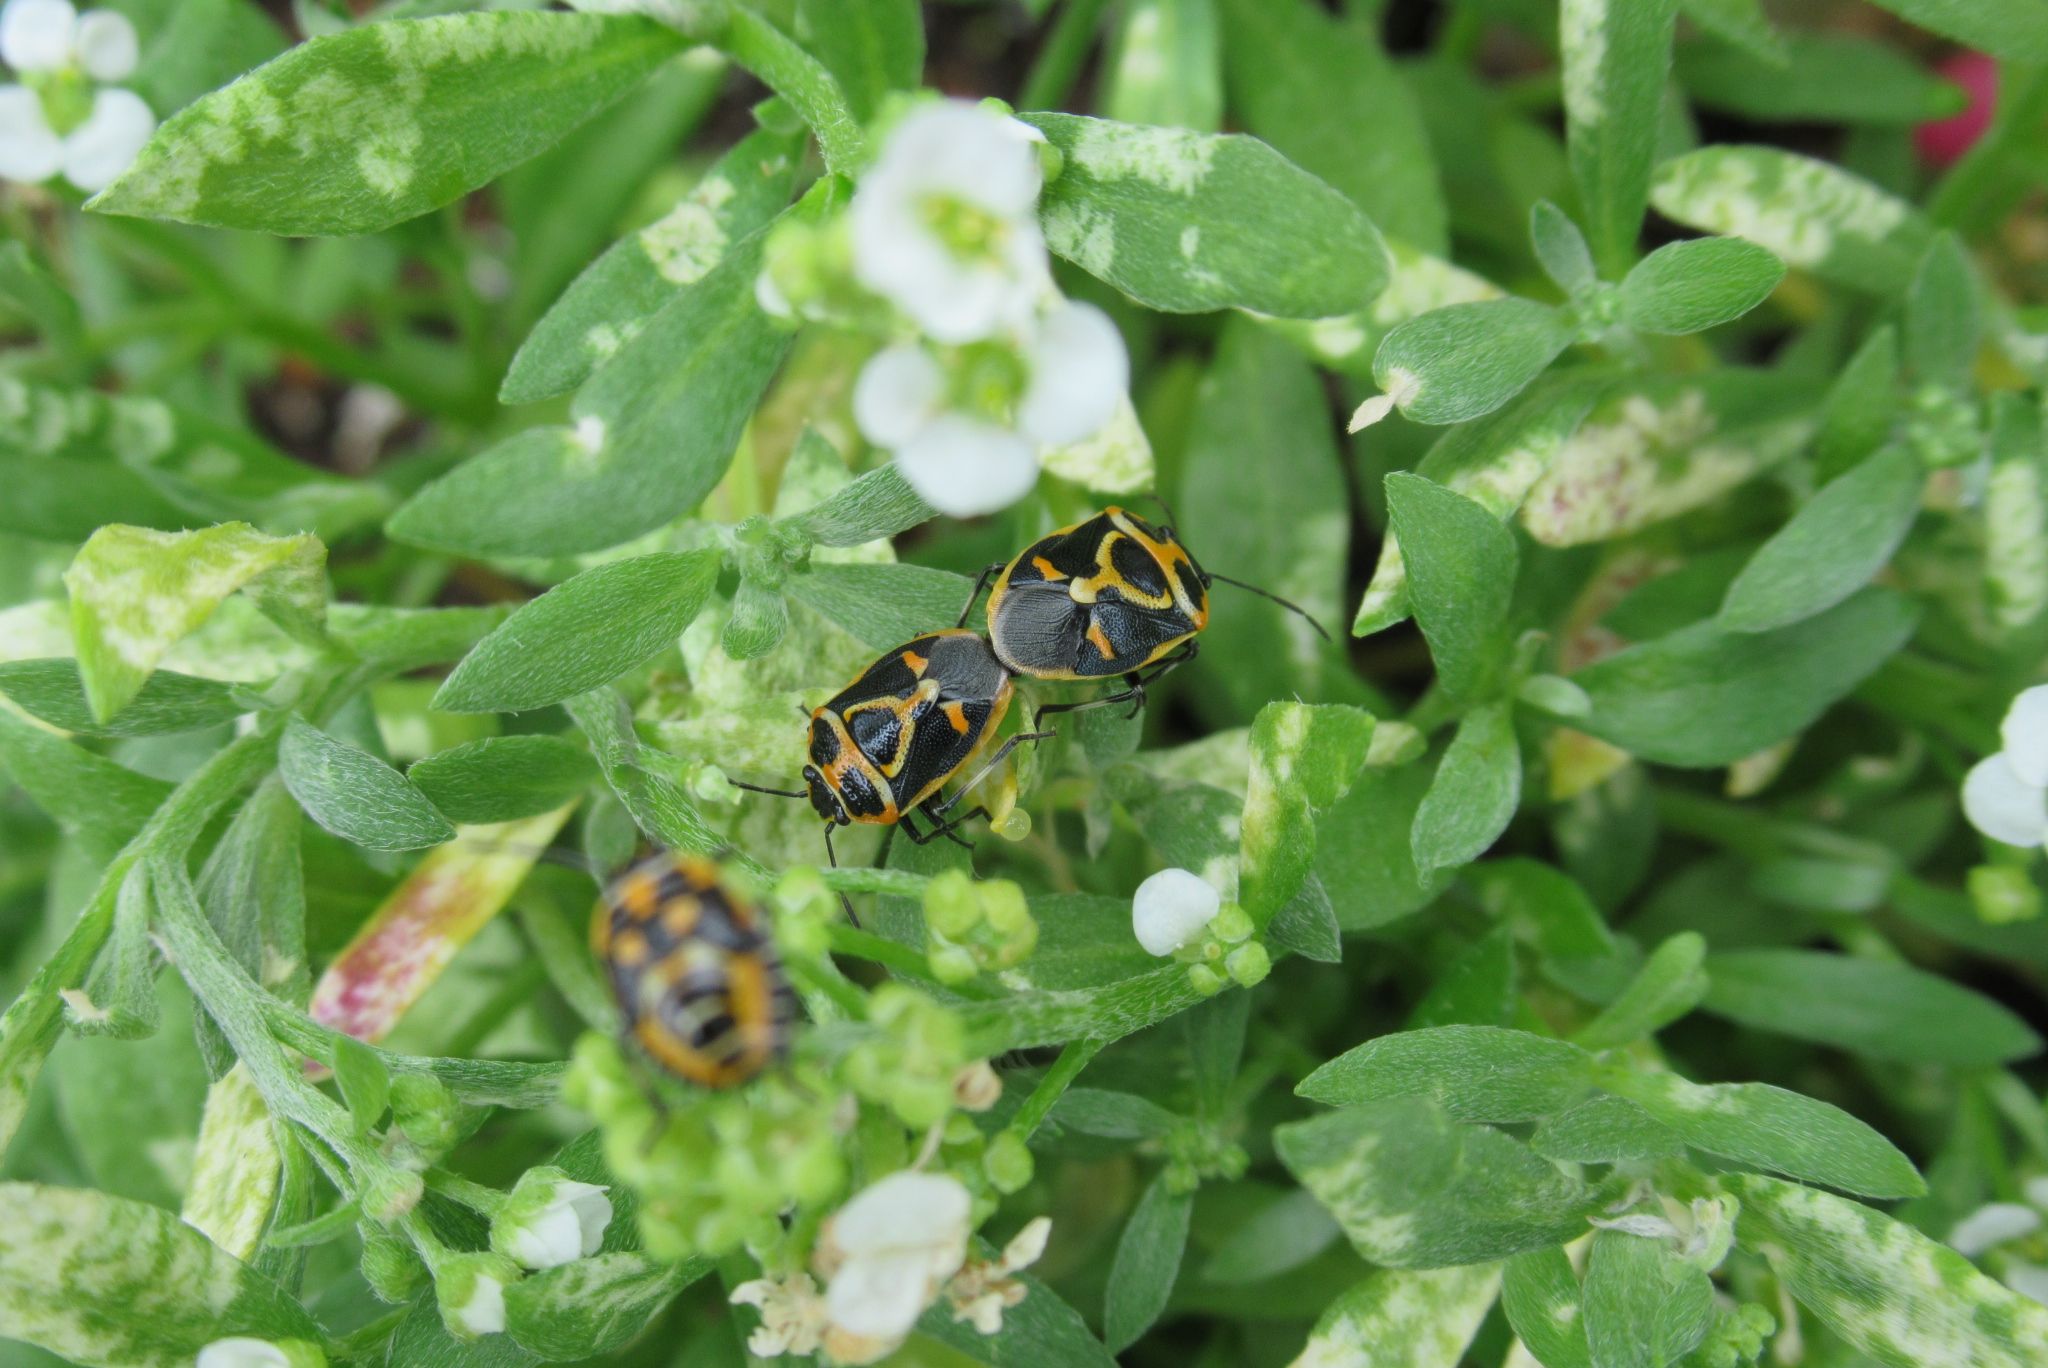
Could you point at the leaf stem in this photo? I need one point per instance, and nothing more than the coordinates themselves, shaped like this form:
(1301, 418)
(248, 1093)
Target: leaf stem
(762, 48)
(1074, 1057)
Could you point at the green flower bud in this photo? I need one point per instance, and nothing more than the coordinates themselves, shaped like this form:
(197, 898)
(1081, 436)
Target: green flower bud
(550, 1219)
(1007, 1162)
(389, 1193)
(391, 1266)
(950, 905)
(425, 1115)
(246, 1351)
(2003, 894)
(1249, 964)
(1206, 980)
(952, 963)
(1232, 925)
(471, 1291)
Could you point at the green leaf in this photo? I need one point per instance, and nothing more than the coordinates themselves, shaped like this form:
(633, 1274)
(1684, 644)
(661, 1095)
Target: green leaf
(1739, 22)
(1644, 1304)
(1861, 404)
(879, 504)
(883, 605)
(1449, 365)
(1615, 58)
(1757, 1124)
(616, 296)
(1831, 547)
(1495, 462)
(658, 805)
(1304, 758)
(2016, 30)
(1364, 857)
(1148, 1256)
(1670, 984)
(364, 1081)
(594, 1306)
(1817, 77)
(1428, 1316)
(1188, 222)
(354, 794)
(1112, 1115)
(1541, 1296)
(1477, 987)
(871, 47)
(1167, 67)
(1687, 287)
(1807, 213)
(1415, 1189)
(654, 432)
(1943, 318)
(1605, 1130)
(1552, 908)
(253, 888)
(1880, 1010)
(34, 293)
(1561, 249)
(1702, 696)
(1042, 1329)
(1477, 1073)
(1308, 82)
(80, 790)
(120, 995)
(167, 702)
(200, 46)
(501, 778)
(2016, 513)
(1283, 1235)
(756, 623)
(584, 632)
(1461, 578)
(135, 593)
(130, 1108)
(357, 131)
(1901, 1298)
(1477, 787)
(103, 1281)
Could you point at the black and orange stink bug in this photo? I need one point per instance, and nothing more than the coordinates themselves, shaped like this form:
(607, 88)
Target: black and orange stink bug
(883, 747)
(700, 988)
(1112, 595)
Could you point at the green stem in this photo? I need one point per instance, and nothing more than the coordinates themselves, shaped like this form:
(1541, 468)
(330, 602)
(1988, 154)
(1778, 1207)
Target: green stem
(897, 958)
(823, 984)
(1059, 61)
(795, 75)
(486, 1201)
(1074, 1057)
(31, 1025)
(515, 992)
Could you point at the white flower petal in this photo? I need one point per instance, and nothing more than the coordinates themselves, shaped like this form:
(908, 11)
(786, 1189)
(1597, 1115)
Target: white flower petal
(2004, 806)
(1370, 412)
(1992, 1224)
(1079, 370)
(36, 35)
(101, 148)
(879, 1297)
(964, 467)
(2028, 1280)
(484, 1312)
(897, 394)
(1171, 908)
(2025, 734)
(1027, 1245)
(593, 1212)
(547, 1240)
(106, 45)
(966, 152)
(241, 1351)
(29, 151)
(905, 1210)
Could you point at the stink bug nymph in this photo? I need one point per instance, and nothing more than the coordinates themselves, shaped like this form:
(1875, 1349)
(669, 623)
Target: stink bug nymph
(699, 986)
(883, 747)
(1112, 595)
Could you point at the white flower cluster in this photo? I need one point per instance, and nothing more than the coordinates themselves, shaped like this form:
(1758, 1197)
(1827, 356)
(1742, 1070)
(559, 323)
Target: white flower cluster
(888, 1254)
(2005, 796)
(68, 117)
(945, 228)
(1171, 908)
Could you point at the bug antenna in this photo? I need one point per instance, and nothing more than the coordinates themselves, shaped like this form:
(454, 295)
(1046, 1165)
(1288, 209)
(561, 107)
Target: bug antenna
(779, 793)
(1294, 608)
(832, 858)
(1166, 508)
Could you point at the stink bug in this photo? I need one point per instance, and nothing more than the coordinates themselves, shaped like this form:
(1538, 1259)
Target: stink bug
(699, 986)
(1112, 595)
(884, 746)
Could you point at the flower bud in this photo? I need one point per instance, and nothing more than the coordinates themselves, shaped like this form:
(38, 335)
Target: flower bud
(471, 1291)
(977, 1087)
(244, 1351)
(1008, 1162)
(389, 1193)
(391, 1267)
(1171, 909)
(1249, 964)
(550, 1219)
(425, 1114)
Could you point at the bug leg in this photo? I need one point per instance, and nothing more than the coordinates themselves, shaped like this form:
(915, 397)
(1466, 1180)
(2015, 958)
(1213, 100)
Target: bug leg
(832, 858)
(1002, 754)
(988, 573)
(946, 829)
(909, 828)
(942, 827)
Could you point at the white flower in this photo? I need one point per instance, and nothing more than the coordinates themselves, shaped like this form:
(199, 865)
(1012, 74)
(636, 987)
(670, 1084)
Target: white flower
(49, 37)
(483, 1312)
(1990, 1225)
(899, 392)
(240, 1351)
(965, 467)
(983, 1291)
(2005, 796)
(1171, 908)
(1079, 370)
(886, 1254)
(944, 223)
(471, 1290)
(550, 1219)
(792, 1315)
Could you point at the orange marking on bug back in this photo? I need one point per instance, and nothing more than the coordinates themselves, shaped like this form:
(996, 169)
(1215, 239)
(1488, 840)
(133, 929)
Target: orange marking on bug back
(636, 895)
(916, 662)
(1097, 639)
(1047, 568)
(679, 918)
(956, 713)
(629, 948)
